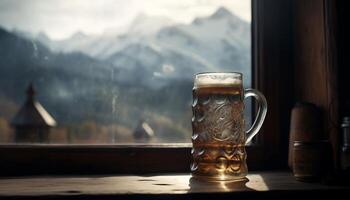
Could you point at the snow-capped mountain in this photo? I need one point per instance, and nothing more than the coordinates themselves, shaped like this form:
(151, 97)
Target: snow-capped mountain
(146, 25)
(220, 42)
(112, 39)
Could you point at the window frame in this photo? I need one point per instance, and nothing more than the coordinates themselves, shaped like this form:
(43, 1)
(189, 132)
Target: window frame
(273, 36)
(270, 37)
(39, 159)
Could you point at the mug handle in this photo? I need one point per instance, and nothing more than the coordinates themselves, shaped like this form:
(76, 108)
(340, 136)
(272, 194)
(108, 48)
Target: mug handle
(260, 117)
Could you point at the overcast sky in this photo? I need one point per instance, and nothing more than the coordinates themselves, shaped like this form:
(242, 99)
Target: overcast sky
(61, 18)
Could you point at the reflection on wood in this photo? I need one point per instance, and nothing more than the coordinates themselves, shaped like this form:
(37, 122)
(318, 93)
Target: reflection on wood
(151, 184)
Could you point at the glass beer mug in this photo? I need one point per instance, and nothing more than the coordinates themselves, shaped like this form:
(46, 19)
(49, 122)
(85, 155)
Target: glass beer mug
(219, 137)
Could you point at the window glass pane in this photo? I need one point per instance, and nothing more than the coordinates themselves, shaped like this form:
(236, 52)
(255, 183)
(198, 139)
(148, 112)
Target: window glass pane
(113, 71)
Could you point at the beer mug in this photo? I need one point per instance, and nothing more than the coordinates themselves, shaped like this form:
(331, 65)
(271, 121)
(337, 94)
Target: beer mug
(218, 136)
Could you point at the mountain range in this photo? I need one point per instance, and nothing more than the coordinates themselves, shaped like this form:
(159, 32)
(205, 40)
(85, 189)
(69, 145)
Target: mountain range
(143, 72)
(220, 42)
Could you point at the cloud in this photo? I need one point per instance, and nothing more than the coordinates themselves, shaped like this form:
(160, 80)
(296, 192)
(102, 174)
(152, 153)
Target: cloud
(61, 18)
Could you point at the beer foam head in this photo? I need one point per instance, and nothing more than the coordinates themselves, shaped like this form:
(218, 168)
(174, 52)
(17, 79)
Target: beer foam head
(216, 79)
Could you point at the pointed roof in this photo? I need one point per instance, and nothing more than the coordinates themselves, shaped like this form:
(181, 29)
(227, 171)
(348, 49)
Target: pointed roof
(32, 113)
(143, 131)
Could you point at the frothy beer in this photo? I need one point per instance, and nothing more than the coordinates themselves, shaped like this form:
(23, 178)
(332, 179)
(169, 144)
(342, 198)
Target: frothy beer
(218, 128)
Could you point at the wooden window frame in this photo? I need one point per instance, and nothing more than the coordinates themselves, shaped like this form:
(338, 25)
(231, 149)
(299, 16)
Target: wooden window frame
(271, 48)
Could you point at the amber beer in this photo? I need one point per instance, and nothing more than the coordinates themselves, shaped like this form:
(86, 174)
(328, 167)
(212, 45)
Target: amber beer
(218, 135)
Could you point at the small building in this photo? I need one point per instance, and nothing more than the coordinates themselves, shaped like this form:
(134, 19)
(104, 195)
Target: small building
(143, 132)
(32, 123)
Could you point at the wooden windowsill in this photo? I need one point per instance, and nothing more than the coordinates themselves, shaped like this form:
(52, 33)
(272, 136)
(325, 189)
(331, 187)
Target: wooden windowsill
(61, 159)
(151, 186)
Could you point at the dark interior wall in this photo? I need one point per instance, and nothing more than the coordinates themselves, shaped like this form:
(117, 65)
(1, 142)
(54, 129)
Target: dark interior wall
(273, 59)
(297, 55)
(315, 66)
(343, 58)
(310, 75)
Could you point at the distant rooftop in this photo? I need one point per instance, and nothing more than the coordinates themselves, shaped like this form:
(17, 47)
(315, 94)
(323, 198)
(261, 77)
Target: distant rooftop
(143, 131)
(32, 113)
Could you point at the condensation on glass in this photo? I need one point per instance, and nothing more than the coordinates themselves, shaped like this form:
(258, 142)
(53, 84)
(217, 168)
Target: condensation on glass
(113, 71)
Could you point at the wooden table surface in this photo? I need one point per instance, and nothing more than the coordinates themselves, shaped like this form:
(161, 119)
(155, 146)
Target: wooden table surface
(166, 184)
